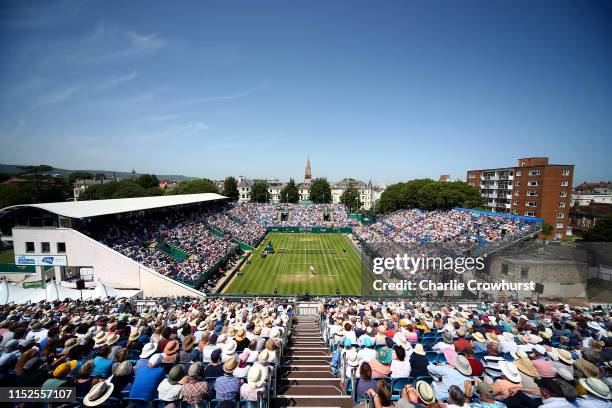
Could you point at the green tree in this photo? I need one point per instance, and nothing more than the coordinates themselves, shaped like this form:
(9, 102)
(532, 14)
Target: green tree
(350, 198)
(601, 231)
(392, 199)
(100, 176)
(38, 173)
(547, 229)
(428, 194)
(80, 175)
(259, 191)
(129, 189)
(320, 191)
(290, 192)
(198, 186)
(147, 181)
(230, 188)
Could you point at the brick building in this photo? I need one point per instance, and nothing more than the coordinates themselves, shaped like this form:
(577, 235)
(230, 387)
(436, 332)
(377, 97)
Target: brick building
(533, 188)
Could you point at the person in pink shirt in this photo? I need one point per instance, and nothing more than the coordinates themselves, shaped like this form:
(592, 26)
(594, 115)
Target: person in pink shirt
(381, 365)
(544, 366)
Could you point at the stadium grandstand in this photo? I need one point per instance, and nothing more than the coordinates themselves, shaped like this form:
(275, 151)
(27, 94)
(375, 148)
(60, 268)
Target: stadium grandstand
(152, 330)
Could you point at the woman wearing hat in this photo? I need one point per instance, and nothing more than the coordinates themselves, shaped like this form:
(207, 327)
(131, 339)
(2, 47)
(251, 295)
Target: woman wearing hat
(194, 390)
(509, 382)
(170, 388)
(171, 352)
(381, 365)
(227, 387)
(598, 394)
(457, 373)
(185, 355)
(420, 395)
(83, 379)
(256, 380)
(98, 394)
(418, 362)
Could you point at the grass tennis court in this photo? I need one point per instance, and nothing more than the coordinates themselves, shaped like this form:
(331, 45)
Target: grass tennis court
(335, 262)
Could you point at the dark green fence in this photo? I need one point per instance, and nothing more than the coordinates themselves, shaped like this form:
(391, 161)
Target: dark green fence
(314, 230)
(12, 268)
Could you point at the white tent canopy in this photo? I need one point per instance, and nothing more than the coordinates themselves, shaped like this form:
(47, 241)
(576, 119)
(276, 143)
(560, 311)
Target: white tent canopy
(10, 293)
(94, 208)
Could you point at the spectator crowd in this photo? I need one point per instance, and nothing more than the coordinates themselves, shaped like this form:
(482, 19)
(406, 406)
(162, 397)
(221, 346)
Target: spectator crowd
(181, 350)
(516, 355)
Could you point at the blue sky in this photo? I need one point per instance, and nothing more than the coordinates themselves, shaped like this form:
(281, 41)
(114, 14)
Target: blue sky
(387, 91)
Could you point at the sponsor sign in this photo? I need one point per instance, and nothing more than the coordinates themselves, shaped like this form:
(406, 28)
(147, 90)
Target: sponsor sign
(42, 260)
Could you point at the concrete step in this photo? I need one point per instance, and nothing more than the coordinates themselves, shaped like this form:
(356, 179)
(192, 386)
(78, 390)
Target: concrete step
(306, 360)
(320, 391)
(303, 381)
(306, 353)
(296, 375)
(305, 367)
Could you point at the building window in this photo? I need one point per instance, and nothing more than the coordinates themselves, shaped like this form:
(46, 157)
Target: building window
(560, 214)
(561, 204)
(504, 269)
(515, 212)
(560, 225)
(523, 164)
(565, 172)
(558, 235)
(61, 247)
(534, 172)
(516, 202)
(525, 272)
(517, 183)
(29, 247)
(564, 183)
(532, 193)
(530, 213)
(563, 194)
(530, 203)
(532, 183)
(45, 247)
(471, 175)
(518, 173)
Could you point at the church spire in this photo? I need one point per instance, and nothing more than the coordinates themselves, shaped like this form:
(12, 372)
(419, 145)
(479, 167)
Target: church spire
(307, 173)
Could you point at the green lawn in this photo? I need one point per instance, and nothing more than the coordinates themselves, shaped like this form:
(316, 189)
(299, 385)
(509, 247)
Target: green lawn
(336, 264)
(7, 256)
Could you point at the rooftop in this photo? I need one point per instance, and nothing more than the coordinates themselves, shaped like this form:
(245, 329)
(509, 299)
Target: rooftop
(95, 208)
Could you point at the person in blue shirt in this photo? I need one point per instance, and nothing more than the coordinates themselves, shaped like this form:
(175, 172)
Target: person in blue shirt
(227, 387)
(102, 365)
(147, 379)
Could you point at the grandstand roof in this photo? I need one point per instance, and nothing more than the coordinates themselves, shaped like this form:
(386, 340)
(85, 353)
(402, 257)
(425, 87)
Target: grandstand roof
(94, 208)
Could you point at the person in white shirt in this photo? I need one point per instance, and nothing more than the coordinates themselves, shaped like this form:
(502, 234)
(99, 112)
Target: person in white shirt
(367, 353)
(400, 366)
(447, 342)
(552, 394)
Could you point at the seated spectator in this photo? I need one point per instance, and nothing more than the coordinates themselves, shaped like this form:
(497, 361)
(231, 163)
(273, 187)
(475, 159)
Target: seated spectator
(256, 379)
(227, 387)
(170, 388)
(147, 379)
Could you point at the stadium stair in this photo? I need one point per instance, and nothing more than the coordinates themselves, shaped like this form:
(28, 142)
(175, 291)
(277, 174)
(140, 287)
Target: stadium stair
(306, 379)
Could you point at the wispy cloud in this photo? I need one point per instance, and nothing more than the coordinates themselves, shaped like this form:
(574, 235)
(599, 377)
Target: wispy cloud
(131, 101)
(113, 82)
(56, 96)
(174, 132)
(108, 43)
(163, 117)
(208, 99)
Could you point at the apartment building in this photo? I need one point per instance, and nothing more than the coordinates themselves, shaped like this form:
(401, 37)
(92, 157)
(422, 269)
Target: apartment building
(533, 188)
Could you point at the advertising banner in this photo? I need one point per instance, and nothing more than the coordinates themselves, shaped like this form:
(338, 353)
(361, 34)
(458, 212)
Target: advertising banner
(43, 260)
